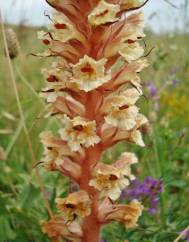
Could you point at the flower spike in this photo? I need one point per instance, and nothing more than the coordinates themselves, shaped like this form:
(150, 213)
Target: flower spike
(93, 87)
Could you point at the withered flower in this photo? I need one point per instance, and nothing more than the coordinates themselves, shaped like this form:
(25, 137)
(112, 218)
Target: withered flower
(57, 228)
(76, 204)
(128, 214)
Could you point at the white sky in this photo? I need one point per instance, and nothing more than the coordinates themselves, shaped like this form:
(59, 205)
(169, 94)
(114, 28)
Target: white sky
(163, 16)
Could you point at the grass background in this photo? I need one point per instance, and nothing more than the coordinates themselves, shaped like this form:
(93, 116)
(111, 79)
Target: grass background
(165, 157)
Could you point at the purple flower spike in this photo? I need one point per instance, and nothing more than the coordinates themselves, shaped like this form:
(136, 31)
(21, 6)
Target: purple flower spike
(186, 235)
(153, 94)
(152, 89)
(174, 82)
(147, 192)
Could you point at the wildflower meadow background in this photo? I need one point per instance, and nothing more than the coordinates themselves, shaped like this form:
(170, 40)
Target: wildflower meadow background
(162, 183)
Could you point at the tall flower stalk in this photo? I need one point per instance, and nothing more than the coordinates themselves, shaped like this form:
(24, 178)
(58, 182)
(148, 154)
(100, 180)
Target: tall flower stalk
(92, 87)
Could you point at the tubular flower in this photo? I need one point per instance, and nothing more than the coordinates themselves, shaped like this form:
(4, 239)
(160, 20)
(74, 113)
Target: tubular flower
(131, 51)
(129, 4)
(76, 204)
(104, 13)
(62, 29)
(89, 74)
(57, 227)
(58, 156)
(124, 162)
(56, 79)
(111, 179)
(93, 86)
(121, 111)
(127, 214)
(79, 131)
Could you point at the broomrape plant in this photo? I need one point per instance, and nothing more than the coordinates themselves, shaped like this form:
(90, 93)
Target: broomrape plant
(93, 86)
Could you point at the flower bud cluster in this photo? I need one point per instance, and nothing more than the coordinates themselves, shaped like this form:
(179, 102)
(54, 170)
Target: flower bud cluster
(93, 87)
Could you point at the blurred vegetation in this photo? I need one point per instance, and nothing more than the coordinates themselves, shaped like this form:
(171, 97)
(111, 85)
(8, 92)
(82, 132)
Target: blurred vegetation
(166, 156)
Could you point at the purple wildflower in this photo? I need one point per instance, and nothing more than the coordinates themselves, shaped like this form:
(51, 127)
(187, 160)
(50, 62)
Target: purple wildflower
(152, 89)
(186, 235)
(147, 192)
(153, 93)
(174, 82)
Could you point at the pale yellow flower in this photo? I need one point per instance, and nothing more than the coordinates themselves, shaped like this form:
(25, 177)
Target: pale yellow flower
(127, 4)
(89, 74)
(109, 180)
(104, 13)
(58, 80)
(62, 28)
(55, 156)
(76, 204)
(127, 97)
(122, 34)
(136, 135)
(122, 117)
(133, 28)
(79, 131)
(124, 164)
(120, 109)
(131, 52)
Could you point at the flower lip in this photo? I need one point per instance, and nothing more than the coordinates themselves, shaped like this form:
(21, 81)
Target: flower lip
(130, 41)
(52, 78)
(113, 177)
(60, 26)
(79, 132)
(76, 204)
(124, 107)
(89, 74)
(87, 69)
(70, 205)
(46, 41)
(78, 127)
(104, 13)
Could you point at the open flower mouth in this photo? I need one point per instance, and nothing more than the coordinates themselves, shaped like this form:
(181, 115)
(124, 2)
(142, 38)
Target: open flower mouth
(69, 205)
(102, 14)
(87, 69)
(60, 26)
(78, 128)
(46, 41)
(113, 177)
(52, 78)
(124, 107)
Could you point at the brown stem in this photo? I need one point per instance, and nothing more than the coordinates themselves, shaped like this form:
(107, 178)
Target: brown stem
(91, 225)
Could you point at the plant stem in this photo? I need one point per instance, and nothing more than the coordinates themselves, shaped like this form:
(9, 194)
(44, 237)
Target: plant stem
(22, 118)
(91, 225)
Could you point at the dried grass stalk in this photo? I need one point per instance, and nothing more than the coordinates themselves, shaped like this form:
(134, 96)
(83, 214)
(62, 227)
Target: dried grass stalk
(12, 42)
